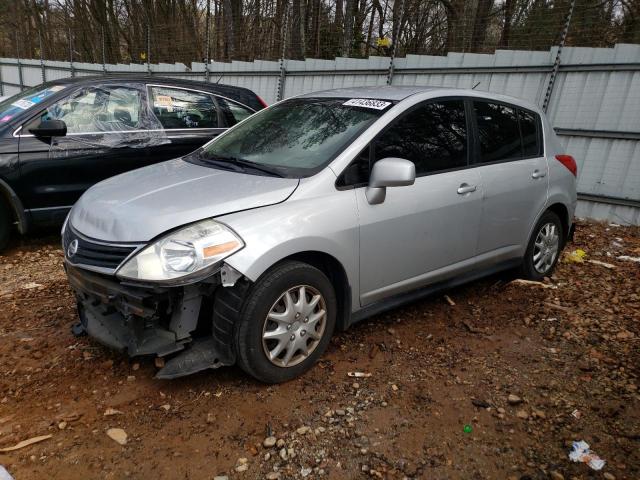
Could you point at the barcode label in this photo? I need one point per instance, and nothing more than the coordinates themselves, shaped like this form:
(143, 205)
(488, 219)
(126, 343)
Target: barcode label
(367, 103)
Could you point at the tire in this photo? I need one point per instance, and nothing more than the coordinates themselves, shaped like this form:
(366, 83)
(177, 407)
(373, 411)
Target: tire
(292, 332)
(544, 248)
(5, 226)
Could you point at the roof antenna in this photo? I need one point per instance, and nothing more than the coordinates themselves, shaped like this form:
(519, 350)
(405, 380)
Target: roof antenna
(474, 87)
(220, 78)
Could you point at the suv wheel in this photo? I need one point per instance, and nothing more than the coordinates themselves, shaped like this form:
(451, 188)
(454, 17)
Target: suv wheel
(286, 322)
(5, 226)
(544, 247)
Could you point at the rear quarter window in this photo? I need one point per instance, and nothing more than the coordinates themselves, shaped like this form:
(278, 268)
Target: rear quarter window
(531, 134)
(233, 112)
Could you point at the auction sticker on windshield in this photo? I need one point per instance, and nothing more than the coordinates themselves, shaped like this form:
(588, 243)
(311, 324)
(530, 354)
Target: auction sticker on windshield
(367, 103)
(23, 104)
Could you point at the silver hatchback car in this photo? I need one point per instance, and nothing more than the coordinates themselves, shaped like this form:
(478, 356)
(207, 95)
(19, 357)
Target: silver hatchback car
(311, 215)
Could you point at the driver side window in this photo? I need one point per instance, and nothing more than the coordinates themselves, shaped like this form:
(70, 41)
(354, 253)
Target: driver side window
(432, 135)
(95, 109)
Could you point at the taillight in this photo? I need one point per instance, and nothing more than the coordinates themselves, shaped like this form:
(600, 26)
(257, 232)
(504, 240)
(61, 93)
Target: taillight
(264, 104)
(569, 162)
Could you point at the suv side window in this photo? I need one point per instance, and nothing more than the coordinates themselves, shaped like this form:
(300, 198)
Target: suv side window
(498, 132)
(531, 143)
(177, 108)
(95, 109)
(433, 136)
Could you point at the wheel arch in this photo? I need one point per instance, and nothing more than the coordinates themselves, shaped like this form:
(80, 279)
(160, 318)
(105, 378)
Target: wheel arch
(11, 199)
(563, 213)
(337, 275)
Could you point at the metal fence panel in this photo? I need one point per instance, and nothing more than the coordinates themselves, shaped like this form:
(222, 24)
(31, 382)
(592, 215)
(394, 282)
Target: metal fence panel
(595, 102)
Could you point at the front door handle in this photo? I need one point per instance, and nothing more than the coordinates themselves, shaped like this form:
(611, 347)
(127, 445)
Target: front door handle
(466, 188)
(538, 174)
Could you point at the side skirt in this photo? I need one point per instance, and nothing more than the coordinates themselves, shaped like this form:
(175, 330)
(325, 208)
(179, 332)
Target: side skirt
(414, 295)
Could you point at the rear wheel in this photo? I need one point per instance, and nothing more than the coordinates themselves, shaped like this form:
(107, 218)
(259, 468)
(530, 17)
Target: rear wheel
(544, 247)
(286, 322)
(5, 226)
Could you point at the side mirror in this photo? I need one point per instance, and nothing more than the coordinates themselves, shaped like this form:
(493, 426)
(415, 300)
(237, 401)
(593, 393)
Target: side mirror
(389, 172)
(50, 128)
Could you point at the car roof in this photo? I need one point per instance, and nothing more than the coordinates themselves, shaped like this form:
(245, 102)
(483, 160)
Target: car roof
(241, 94)
(386, 92)
(399, 93)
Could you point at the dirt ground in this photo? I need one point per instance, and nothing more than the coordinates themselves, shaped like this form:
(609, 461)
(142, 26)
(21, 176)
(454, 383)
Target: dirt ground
(437, 404)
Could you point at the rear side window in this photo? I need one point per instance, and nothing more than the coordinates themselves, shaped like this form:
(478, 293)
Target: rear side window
(498, 132)
(177, 108)
(433, 136)
(530, 136)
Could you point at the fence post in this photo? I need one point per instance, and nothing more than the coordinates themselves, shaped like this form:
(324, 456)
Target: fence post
(556, 64)
(208, 38)
(148, 49)
(71, 67)
(104, 55)
(42, 69)
(394, 48)
(283, 70)
(20, 78)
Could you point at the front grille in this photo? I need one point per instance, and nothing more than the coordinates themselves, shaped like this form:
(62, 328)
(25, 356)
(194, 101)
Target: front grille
(94, 254)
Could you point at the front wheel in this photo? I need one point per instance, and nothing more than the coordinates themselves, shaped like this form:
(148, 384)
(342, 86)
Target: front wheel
(286, 322)
(544, 247)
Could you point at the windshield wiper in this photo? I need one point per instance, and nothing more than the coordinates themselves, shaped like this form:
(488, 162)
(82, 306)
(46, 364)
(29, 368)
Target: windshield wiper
(242, 164)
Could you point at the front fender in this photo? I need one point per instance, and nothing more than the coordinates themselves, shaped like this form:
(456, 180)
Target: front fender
(326, 224)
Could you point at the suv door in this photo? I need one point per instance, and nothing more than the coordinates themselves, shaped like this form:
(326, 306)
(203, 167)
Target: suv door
(428, 231)
(514, 174)
(106, 135)
(190, 118)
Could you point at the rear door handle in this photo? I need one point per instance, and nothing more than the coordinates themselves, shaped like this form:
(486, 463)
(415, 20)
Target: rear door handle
(538, 174)
(466, 188)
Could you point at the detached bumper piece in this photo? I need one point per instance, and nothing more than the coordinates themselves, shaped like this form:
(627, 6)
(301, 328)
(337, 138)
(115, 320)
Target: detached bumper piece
(148, 321)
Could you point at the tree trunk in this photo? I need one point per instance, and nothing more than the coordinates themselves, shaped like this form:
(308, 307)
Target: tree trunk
(480, 25)
(229, 30)
(506, 27)
(367, 47)
(297, 30)
(347, 37)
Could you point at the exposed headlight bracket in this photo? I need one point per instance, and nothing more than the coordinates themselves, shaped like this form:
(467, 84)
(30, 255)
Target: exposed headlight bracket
(229, 275)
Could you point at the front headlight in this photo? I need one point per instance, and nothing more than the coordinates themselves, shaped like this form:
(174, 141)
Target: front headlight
(184, 256)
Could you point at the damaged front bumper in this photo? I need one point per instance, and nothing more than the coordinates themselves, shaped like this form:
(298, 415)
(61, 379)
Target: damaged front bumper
(151, 320)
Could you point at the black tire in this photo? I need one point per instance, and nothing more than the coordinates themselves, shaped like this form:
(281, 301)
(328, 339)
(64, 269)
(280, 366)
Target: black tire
(528, 268)
(5, 226)
(258, 302)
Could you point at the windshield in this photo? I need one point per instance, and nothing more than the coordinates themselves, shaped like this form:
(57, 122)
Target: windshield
(295, 138)
(22, 101)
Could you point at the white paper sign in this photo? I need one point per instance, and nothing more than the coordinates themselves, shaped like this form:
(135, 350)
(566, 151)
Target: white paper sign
(23, 104)
(367, 103)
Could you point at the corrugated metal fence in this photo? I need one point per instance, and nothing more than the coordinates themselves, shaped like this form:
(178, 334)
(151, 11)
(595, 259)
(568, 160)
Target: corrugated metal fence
(594, 105)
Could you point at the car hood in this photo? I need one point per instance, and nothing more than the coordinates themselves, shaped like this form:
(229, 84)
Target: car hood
(139, 205)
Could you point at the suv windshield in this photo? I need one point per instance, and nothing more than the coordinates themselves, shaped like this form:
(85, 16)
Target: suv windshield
(295, 138)
(22, 101)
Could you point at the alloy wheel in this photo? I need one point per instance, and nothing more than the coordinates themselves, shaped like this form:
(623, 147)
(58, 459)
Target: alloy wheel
(294, 326)
(546, 248)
